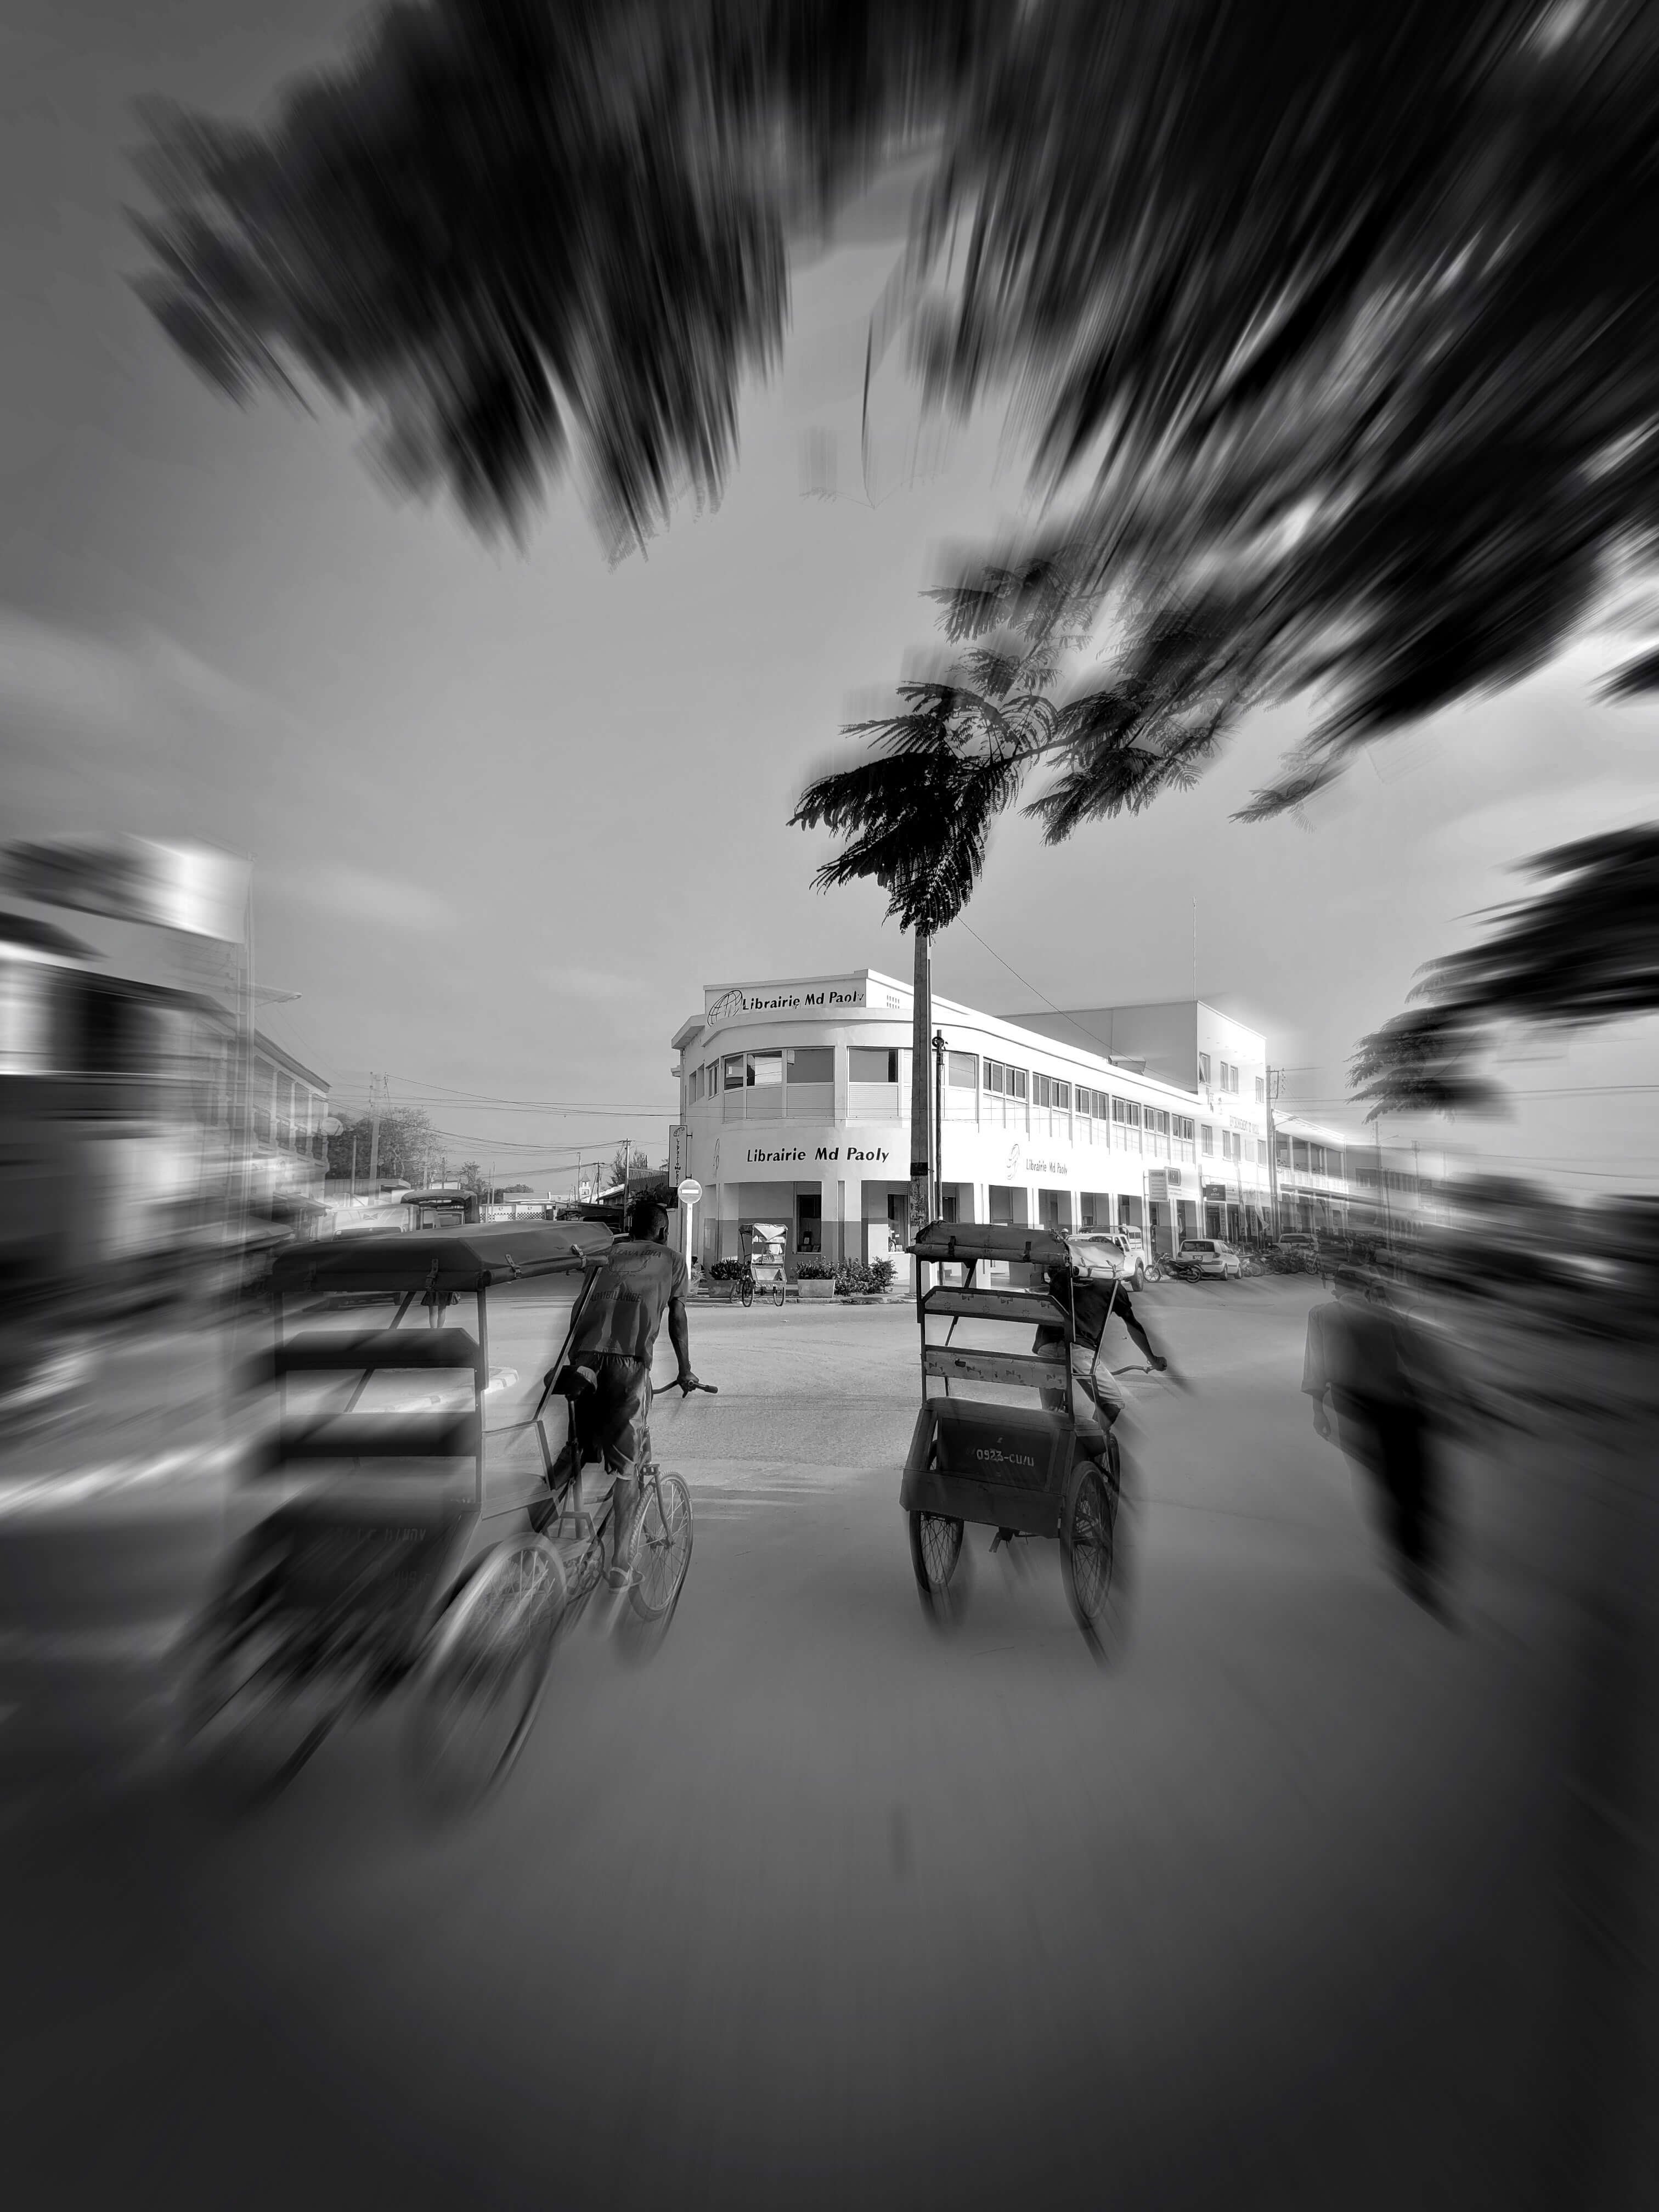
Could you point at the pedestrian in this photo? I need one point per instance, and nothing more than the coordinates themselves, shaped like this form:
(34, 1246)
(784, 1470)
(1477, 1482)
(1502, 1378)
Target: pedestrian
(1389, 1389)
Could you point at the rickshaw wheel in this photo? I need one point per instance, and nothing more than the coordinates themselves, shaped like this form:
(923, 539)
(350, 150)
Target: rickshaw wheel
(1088, 1542)
(479, 1685)
(935, 1553)
(244, 1729)
(746, 1292)
(778, 1294)
(662, 1549)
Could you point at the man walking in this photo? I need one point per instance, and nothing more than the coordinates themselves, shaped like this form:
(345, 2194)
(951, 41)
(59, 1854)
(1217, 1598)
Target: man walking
(1387, 1386)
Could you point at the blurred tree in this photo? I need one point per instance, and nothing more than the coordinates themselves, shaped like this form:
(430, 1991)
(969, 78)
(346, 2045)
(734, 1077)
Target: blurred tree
(1583, 951)
(1335, 321)
(409, 1145)
(473, 1179)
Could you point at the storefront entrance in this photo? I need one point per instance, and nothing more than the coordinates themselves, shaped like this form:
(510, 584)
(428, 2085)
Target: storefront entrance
(809, 1221)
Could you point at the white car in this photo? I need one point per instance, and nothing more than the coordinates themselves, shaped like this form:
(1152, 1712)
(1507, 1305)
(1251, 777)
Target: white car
(1105, 1254)
(1209, 1255)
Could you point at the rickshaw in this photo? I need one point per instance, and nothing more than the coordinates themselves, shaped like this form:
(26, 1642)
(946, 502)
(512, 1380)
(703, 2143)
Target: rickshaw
(381, 1564)
(767, 1271)
(999, 1441)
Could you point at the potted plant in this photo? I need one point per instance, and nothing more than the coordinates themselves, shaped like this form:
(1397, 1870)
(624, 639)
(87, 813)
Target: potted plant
(816, 1276)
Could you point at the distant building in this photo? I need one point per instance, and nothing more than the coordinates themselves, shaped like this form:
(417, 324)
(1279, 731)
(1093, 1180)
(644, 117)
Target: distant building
(795, 1105)
(132, 1111)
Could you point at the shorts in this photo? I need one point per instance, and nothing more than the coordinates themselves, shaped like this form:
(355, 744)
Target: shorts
(609, 1419)
(1095, 1397)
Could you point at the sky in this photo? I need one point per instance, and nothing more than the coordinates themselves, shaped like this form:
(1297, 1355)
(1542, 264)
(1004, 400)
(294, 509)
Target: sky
(508, 815)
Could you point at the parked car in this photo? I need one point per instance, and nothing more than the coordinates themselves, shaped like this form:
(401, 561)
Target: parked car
(1107, 1253)
(1208, 1256)
(1302, 1246)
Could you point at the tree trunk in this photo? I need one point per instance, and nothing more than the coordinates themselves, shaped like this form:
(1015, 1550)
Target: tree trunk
(922, 1030)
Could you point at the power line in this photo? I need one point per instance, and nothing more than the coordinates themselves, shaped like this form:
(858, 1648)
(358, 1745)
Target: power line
(1082, 1028)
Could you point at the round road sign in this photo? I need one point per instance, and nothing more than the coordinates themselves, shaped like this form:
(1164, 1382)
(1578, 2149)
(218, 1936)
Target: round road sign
(690, 1191)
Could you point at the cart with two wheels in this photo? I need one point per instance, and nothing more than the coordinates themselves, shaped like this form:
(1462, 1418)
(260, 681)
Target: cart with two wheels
(373, 1566)
(999, 1441)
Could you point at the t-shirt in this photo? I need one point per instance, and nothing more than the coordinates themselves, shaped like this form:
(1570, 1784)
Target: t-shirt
(636, 1285)
(1365, 1354)
(1091, 1300)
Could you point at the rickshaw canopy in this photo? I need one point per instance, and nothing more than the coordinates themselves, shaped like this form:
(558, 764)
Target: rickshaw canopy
(457, 1260)
(965, 1241)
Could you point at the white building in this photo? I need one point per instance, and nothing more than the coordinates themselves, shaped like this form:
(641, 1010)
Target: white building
(1334, 1180)
(795, 1101)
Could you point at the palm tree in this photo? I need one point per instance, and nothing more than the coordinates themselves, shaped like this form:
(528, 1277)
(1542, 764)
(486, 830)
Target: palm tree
(1337, 322)
(1335, 325)
(1583, 951)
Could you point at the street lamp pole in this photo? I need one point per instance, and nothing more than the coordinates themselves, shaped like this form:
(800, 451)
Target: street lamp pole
(938, 1125)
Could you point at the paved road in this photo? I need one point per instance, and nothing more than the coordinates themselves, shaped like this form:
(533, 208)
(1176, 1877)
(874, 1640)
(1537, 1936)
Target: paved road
(824, 1908)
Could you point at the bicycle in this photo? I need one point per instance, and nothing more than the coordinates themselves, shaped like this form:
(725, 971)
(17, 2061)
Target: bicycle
(662, 1542)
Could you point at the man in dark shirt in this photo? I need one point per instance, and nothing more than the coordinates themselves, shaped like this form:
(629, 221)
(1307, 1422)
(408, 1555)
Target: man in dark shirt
(607, 1371)
(1387, 1387)
(1093, 1302)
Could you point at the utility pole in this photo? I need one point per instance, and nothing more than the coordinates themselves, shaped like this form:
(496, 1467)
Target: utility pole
(373, 1130)
(938, 1125)
(1272, 1152)
(921, 1025)
(354, 1164)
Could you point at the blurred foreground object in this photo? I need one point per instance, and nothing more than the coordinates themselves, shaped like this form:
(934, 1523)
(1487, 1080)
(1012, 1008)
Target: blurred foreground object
(153, 1143)
(189, 888)
(1389, 1389)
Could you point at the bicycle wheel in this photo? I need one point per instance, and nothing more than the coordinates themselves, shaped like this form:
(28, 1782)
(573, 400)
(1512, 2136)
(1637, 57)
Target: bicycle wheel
(935, 1554)
(778, 1294)
(746, 1292)
(662, 1548)
(480, 1682)
(1088, 1539)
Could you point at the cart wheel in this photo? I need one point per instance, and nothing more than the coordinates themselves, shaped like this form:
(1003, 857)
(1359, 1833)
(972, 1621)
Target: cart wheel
(662, 1549)
(777, 1294)
(480, 1682)
(1088, 1543)
(746, 1292)
(935, 1553)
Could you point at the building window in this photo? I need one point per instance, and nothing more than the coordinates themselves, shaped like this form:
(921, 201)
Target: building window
(1062, 1098)
(1261, 1152)
(1045, 1091)
(1127, 1111)
(872, 1064)
(1207, 1139)
(736, 1068)
(994, 1072)
(765, 1070)
(962, 1071)
(1204, 1069)
(1261, 1091)
(1158, 1120)
(1183, 1128)
(811, 1063)
(1018, 1083)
